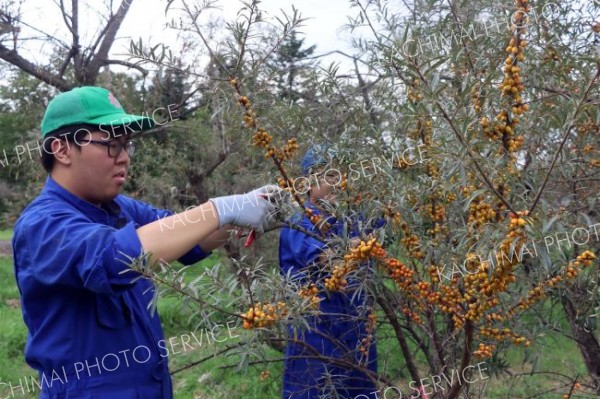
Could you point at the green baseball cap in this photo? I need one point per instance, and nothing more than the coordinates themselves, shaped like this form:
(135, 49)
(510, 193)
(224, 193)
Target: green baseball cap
(90, 105)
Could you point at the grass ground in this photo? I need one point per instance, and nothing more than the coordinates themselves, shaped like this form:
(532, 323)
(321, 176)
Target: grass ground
(551, 352)
(6, 234)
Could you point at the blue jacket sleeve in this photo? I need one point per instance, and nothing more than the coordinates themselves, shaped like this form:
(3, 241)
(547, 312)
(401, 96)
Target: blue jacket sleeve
(65, 248)
(143, 214)
(298, 250)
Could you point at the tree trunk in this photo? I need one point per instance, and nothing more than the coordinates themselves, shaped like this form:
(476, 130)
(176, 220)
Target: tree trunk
(585, 339)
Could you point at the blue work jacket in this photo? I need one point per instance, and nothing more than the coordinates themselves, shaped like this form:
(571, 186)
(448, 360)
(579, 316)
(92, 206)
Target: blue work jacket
(91, 334)
(336, 333)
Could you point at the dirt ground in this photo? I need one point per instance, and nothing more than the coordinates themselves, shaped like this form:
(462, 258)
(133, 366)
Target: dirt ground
(5, 248)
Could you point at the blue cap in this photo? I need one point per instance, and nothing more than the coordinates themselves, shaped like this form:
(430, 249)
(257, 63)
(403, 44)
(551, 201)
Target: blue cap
(317, 155)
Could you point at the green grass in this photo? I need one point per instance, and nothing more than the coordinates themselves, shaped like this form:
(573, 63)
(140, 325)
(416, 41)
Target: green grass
(550, 352)
(218, 377)
(13, 334)
(6, 234)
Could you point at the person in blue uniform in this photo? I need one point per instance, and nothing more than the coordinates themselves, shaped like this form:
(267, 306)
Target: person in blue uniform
(90, 333)
(319, 360)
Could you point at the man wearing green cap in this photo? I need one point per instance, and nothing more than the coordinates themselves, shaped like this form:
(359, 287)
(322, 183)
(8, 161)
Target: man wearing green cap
(90, 333)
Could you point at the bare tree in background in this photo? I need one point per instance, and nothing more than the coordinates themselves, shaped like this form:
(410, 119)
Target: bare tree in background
(84, 59)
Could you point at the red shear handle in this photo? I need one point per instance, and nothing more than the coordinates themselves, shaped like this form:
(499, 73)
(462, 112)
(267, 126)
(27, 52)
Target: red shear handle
(250, 239)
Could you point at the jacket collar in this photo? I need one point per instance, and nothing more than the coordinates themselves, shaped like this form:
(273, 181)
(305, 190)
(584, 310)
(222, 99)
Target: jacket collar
(53, 189)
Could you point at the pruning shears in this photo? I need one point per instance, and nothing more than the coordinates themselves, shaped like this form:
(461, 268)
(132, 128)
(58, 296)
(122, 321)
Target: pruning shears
(252, 235)
(250, 239)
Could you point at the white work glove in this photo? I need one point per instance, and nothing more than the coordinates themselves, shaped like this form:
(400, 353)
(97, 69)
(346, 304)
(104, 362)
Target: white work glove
(255, 209)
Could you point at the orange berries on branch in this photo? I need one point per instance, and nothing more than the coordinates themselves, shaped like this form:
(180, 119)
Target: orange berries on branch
(511, 87)
(249, 119)
(290, 148)
(366, 342)
(244, 102)
(477, 99)
(337, 281)
(412, 316)
(264, 375)
(480, 213)
(311, 292)
(262, 139)
(573, 269)
(503, 334)
(399, 272)
(389, 212)
(411, 242)
(414, 94)
(485, 351)
(365, 250)
(264, 315)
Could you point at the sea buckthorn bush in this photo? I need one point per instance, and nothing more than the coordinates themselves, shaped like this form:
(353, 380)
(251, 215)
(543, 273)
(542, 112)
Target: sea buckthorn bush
(472, 131)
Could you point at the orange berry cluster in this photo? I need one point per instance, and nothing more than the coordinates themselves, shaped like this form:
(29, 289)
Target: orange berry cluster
(586, 259)
(452, 298)
(469, 188)
(477, 100)
(359, 198)
(476, 285)
(413, 92)
(285, 183)
(485, 351)
(317, 220)
(264, 315)
(577, 386)
(404, 164)
(337, 281)
(366, 342)
(290, 148)
(589, 126)
(244, 102)
(411, 242)
(362, 252)
(433, 170)
(426, 131)
(433, 274)
(512, 84)
(365, 250)
(423, 287)
(400, 273)
(450, 197)
(503, 334)
(481, 289)
(412, 316)
(281, 155)
(250, 119)
(262, 139)
(493, 317)
(437, 213)
(480, 213)
(311, 292)
(390, 213)
(343, 185)
(264, 375)
(314, 218)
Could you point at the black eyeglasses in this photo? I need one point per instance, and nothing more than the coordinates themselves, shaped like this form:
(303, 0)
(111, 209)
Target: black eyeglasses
(115, 147)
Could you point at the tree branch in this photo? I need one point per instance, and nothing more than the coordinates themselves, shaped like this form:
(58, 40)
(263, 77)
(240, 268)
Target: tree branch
(112, 27)
(567, 131)
(142, 70)
(14, 58)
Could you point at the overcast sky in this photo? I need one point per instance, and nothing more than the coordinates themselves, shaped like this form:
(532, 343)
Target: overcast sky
(146, 19)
